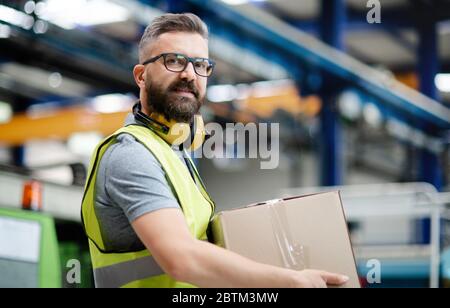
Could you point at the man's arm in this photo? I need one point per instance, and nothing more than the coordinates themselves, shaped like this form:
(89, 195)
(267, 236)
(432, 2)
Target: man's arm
(184, 258)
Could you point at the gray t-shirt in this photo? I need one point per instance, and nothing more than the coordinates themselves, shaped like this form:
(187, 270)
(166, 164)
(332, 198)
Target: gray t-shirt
(130, 183)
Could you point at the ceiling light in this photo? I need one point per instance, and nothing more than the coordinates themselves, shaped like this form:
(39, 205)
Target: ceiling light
(112, 103)
(15, 17)
(29, 7)
(55, 80)
(372, 115)
(222, 93)
(6, 112)
(40, 27)
(83, 144)
(349, 104)
(69, 14)
(443, 82)
(5, 31)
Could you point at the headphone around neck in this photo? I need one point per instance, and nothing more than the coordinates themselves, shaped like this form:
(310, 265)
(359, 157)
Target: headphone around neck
(174, 133)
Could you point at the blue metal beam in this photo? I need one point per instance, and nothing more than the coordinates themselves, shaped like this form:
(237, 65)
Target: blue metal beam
(18, 156)
(430, 167)
(332, 23)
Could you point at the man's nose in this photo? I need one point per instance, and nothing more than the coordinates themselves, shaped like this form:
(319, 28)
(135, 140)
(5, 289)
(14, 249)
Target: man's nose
(189, 73)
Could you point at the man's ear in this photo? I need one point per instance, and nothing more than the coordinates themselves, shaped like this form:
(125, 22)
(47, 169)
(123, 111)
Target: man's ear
(138, 73)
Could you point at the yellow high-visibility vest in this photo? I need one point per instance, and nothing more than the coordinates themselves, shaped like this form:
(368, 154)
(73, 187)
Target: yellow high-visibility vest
(138, 268)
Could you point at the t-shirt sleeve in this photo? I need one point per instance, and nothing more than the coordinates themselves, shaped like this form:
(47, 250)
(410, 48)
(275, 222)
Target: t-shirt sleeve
(135, 180)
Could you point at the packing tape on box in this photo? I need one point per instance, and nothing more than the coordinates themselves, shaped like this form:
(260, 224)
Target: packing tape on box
(294, 254)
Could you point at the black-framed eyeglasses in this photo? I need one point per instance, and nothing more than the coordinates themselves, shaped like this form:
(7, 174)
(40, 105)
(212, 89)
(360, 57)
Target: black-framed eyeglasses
(177, 63)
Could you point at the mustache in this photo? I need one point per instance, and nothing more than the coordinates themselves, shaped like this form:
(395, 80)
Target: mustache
(184, 85)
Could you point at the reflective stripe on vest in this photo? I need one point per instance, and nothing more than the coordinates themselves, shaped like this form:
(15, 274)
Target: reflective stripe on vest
(139, 268)
(118, 275)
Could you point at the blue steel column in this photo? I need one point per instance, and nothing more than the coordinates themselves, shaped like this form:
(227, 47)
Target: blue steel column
(429, 169)
(428, 66)
(18, 156)
(18, 152)
(332, 24)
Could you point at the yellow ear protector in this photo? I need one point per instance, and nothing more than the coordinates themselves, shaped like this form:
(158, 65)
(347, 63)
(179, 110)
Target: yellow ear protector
(174, 133)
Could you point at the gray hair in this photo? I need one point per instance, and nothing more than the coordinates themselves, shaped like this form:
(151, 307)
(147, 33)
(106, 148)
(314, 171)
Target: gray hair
(186, 22)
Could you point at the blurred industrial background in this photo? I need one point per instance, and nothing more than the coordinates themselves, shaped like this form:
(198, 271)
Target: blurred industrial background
(362, 104)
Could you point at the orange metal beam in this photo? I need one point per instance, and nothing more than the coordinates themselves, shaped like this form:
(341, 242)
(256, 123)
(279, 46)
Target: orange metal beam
(62, 123)
(58, 124)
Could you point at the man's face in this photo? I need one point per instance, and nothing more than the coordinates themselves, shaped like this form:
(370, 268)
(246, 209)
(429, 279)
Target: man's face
(177, 96)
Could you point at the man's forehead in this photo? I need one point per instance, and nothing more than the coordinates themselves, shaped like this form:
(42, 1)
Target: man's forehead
(190, 44)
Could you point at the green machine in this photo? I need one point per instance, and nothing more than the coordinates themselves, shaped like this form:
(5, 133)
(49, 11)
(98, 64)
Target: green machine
(29, 251)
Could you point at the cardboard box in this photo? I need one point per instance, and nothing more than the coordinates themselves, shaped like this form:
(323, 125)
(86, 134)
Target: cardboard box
(308, 232)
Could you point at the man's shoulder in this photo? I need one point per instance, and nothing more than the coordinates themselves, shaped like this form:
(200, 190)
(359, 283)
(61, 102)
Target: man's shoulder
(127, 150)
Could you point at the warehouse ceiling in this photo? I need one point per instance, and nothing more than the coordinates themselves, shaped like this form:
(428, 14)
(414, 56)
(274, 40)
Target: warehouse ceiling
(96, 57)
(363, 40)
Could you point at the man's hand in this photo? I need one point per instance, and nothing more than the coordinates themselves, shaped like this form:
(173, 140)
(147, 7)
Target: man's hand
(317, 279)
